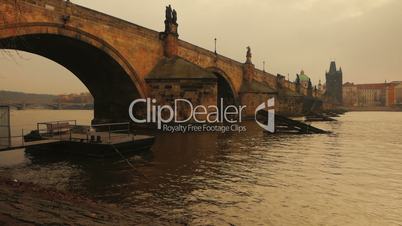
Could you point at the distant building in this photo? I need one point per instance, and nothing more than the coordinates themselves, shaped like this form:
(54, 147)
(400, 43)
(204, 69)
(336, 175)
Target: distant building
(398, 92)
(334, 82)
(350, 95)
(303, 79)
(82, 98)
(370, 95)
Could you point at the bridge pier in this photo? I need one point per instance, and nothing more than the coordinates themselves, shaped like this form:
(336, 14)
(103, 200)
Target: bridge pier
(111, 112)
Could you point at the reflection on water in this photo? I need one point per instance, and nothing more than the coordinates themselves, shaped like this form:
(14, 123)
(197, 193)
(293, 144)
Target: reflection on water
(350, 177)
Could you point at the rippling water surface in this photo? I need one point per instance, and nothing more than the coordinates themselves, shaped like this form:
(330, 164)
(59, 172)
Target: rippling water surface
(351, 177)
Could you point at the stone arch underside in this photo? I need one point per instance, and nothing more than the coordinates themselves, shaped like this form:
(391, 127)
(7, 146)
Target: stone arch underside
(107, 78)
(225, 89)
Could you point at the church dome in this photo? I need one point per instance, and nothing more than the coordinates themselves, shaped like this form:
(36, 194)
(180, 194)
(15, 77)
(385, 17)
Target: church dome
(303, 77)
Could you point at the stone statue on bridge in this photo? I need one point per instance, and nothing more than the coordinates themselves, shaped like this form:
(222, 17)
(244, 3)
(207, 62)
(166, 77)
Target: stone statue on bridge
(171, 15)
(297, 81)
(171, 21)
(174, 16)
(249, 55)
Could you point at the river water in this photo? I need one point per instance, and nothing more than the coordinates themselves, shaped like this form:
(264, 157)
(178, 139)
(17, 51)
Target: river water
(350, 177)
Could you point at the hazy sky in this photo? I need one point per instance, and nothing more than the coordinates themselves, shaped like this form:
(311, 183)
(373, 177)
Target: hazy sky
(364, 36)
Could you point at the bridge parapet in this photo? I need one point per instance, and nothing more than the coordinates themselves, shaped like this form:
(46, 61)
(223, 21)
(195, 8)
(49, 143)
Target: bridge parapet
(62, 7)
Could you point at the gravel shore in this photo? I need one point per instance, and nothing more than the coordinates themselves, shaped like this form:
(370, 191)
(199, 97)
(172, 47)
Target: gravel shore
(30, 204)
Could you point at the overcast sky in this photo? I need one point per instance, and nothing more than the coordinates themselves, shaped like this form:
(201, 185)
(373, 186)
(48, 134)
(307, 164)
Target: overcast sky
(364, 36)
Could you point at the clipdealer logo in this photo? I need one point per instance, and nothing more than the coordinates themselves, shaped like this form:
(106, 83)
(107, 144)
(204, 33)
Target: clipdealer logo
(204, 118)
(270, 104)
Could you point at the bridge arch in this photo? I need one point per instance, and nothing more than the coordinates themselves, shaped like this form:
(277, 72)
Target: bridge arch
(109, 77)
(225, 87)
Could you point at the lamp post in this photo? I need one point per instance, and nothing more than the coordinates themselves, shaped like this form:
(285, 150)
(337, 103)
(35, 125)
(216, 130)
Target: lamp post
(215, 46)
(263, 66)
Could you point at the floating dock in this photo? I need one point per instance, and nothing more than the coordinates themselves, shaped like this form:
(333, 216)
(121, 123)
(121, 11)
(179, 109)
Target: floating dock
(94, 141)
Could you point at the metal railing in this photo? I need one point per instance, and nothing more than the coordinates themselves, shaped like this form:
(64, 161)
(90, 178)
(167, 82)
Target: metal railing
(68, 130)
(113, 128)
(55, 126)
(11, 139)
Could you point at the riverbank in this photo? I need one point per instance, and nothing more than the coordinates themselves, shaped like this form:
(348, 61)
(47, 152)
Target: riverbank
(31, 204)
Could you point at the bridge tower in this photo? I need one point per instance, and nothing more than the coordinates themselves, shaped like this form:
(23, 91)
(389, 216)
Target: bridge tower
(334, 82)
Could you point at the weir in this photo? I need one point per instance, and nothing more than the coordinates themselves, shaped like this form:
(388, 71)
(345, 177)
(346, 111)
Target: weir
(286, 125)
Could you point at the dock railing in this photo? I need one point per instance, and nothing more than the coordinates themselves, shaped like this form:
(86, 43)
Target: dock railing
(68, 130)
(122, 128)
(54, 128)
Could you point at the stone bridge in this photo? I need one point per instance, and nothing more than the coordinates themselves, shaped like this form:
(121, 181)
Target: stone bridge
(119, 61)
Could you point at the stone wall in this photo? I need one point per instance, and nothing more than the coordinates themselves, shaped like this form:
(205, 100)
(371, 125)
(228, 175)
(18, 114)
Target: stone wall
(198, 92)
(232, 70)
(252, 101)
(289, 105)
